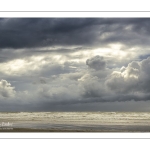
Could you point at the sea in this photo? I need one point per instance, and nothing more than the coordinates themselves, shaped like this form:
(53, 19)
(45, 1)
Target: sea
(75, 121)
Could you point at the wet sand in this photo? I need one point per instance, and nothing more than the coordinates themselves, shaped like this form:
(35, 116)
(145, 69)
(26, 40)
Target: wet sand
(75, 122)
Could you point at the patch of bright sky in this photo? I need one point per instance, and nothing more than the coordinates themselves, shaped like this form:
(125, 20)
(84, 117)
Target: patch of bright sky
(18, 66)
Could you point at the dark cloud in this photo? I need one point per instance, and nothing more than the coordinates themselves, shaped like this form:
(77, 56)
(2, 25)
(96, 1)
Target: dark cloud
(97, 63)
(35, 32)
(25, 37)
(73, 63)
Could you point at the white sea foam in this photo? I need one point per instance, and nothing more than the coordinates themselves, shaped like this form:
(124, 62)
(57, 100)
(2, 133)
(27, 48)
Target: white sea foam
(75, 119)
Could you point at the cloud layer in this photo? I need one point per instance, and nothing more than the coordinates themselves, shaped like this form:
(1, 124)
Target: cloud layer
(74, 63)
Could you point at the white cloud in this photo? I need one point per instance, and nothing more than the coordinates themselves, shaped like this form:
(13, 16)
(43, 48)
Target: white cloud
(6, 90)
(76, 85)
(131, 79)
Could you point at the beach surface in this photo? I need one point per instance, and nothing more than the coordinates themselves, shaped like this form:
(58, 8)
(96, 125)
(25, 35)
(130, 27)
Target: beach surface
(75, 122)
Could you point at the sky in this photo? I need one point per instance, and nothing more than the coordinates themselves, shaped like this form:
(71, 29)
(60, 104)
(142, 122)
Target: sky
(74, 64)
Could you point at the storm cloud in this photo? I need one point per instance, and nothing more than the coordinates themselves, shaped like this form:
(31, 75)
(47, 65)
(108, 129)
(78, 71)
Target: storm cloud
(40, 32)
(96, 63)
(65, 64)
